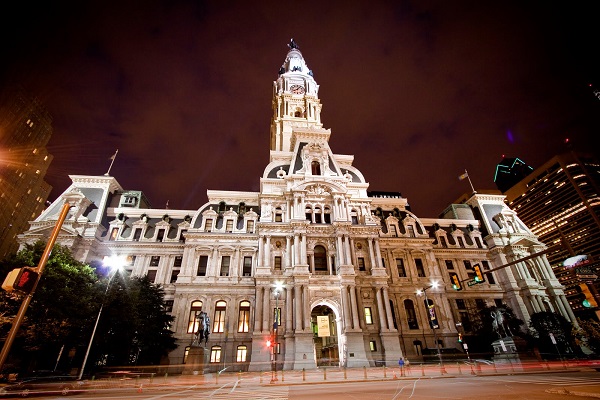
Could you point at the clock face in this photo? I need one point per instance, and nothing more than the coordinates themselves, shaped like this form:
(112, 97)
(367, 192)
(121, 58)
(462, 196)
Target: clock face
(297, 89)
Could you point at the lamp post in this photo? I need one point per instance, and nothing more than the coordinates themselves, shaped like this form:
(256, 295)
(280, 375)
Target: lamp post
(431, 317)
(278, 288)
(114, 263)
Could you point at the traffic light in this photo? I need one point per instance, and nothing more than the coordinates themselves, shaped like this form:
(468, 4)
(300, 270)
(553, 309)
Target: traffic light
(456, 285)
(479, 278)
(269, 342)
(460, 338)
(26, 280)
(590, 301)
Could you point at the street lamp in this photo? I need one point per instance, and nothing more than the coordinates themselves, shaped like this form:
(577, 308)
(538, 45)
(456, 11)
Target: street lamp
(115, 263)
(432, 317)
(278, 288)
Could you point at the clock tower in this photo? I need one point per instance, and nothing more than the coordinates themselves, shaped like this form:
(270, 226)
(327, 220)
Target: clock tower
(295, 100)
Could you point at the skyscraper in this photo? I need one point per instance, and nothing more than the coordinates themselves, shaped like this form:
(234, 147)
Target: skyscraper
(560, 203)
(25, 129)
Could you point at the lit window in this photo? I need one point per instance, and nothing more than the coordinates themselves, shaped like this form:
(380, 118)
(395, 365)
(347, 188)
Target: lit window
(219, 319)
(241, 354)
(215, 354)
(194, 320)
(373, 345)
(368, 316)
(244, 317)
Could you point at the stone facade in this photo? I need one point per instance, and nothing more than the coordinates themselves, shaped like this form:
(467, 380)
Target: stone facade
(334, 267)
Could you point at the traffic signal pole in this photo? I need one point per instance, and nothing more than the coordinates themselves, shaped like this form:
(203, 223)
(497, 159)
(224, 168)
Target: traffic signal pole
(25, 304)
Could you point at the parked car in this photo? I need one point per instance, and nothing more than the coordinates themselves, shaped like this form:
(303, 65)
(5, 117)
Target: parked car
(62, 385)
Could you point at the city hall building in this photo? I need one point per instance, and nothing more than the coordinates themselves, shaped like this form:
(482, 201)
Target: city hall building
(314, 261)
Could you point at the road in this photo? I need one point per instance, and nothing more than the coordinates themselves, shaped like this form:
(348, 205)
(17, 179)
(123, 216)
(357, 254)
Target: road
(531, 386)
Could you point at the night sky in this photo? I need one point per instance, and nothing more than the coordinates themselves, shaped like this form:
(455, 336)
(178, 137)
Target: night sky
(417, 91)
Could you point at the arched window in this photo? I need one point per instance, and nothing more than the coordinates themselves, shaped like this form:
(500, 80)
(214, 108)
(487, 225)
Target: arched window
(278, 214)
(327, 215)
(244, 317)
(315, 167)
(241, 354)
(308, 213)
(317, 215)
(215, 354)
(320, 256)
(411, 316)
(219, 319)
(194, 319)
(222, 206)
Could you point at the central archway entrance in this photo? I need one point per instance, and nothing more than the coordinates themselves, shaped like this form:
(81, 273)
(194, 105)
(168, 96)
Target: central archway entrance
(325, 336)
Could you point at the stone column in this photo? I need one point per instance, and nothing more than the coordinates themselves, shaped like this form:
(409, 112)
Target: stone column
(288, 310)
(381, 310)
(258, 326)
(298, 306)
(267, 252)
(346, 305)
(354, 307)
(371, 254)
(388, 308)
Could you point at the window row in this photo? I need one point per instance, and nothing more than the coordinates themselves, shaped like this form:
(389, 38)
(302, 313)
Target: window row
(198, 318)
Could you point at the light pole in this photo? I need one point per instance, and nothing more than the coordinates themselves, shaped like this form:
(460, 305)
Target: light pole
(432, 317)
(114, 263)
(278, 288)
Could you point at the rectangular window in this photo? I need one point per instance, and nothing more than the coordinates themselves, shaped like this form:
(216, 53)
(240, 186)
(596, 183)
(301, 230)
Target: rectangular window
(202, 264)
(461, 242)
(460, 304)
(488, 275)
(278, 217)
(393, 231)
(182, 235)
(317, 218)
(160, 235)
(169, 305)
(151, 275)
(468, 265)
(137, 234)
(480, 304)
(449, 264)
(420, 269)
(113, 234)
(368, 316)
(373, 345)
(411, 230)
(247, 268)
(250, 226)
(277, 265)
(174, 274)
(154, 260)
(177, 261)
(361, 264)
(225, 260)
(208, 225)
(241, 354)
(400, 266)
(229, 226)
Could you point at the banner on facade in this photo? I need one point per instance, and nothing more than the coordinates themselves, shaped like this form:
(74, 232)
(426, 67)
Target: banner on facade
(323, 326)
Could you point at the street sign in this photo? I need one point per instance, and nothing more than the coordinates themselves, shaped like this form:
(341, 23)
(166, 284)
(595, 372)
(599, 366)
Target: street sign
(472, 283)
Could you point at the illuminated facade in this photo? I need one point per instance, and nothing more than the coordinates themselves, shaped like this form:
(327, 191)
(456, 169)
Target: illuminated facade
(312, 248)
(560, 203)
(25, 129)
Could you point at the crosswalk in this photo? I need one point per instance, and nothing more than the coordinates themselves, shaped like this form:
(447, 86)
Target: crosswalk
(555, 380)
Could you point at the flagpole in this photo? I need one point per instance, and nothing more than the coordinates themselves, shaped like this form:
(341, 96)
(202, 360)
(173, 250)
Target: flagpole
(111, 162)
(470, 183)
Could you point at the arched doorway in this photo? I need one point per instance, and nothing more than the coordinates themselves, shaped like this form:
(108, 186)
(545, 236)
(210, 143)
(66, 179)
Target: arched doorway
(325, 336)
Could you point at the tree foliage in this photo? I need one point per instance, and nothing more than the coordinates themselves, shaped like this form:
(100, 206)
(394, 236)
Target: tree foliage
(133, 328)
(589, 334)
(544, 323)
(60, 307)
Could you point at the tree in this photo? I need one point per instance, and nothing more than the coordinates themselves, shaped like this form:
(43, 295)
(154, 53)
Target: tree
(544, 323)
(61, 306)
(589, 334)
(135, 327)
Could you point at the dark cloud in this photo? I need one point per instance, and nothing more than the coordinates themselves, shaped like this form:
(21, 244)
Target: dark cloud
(416, 91)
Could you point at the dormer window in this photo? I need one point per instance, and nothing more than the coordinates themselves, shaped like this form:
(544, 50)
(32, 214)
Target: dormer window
(208, 225)
(229, 226)
(315, 167)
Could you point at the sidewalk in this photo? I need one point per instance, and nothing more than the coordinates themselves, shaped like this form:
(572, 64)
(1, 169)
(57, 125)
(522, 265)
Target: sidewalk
(336, 375)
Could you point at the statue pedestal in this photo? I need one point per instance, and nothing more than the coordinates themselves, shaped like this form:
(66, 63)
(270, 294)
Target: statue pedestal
(195, 361)
(509, 352)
